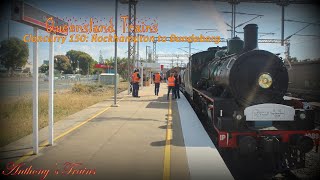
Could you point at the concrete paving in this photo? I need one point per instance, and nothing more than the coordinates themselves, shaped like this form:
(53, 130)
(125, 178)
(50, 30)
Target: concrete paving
(125, 142)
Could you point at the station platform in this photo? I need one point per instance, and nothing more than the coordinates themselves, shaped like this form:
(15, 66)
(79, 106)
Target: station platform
(144, 138)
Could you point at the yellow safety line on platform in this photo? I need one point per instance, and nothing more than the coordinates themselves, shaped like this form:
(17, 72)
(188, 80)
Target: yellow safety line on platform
(167, 148)
(46, 143)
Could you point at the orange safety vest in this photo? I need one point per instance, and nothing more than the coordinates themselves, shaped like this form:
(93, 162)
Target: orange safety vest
(171, 81)
(157, 78)
(135, 77)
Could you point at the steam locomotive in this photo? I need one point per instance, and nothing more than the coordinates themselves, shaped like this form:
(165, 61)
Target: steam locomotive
(240, 91)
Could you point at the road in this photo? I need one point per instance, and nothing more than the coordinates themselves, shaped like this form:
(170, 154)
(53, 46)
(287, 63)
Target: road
(20, 87)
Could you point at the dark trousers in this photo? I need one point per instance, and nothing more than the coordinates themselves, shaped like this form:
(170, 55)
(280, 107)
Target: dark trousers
(135, 90)
(176, 91)
(169, 89)
(156, 88)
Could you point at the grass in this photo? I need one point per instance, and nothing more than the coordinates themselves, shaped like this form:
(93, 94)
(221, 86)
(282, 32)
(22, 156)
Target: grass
(16, 116)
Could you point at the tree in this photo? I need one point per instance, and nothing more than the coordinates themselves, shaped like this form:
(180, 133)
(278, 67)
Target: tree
(85, 61)
(109, 62)
(43, 68)
(293, 59)
(149, 60)
(123, 67)
(62, 63)
(17, 53)
(73, 57)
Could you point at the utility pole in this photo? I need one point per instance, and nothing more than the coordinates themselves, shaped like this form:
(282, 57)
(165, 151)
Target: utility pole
(154, 51)
(177, 61)
(282, 24)
(172, 63)
(137, 58)
(115, 56)
(147, 53)
(131, 45)
(233, 17)
(282, 4)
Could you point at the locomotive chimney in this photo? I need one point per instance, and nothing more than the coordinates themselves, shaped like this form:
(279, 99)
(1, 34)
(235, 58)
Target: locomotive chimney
(250, 37)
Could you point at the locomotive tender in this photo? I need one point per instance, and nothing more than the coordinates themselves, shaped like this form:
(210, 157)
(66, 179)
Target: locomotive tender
(240, 91)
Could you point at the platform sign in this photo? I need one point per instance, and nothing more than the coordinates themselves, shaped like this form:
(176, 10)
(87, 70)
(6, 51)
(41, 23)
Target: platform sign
(27, 14)
(31, 16)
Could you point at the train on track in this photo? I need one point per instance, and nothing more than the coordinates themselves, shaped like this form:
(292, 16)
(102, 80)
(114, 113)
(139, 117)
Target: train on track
(240, 92)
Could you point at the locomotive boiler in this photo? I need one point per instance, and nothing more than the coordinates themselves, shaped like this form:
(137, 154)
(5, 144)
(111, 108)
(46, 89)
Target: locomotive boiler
(240, 92)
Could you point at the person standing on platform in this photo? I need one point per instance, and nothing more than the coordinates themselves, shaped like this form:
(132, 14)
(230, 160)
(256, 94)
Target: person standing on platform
(131, 82)
(156, 79)
(177, 83)
(170, 84)
(135, 79)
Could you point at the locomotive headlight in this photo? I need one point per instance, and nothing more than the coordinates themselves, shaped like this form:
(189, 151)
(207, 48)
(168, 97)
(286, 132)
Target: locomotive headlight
(302, 116)
(265, 80)
(238, 117)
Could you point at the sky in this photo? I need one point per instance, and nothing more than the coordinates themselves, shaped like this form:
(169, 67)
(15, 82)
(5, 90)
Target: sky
(180, 18)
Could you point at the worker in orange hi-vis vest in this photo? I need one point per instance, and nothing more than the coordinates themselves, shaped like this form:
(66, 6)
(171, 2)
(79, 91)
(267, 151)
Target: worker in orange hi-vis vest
(135, 83)
(157, 79)
(171, 84)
